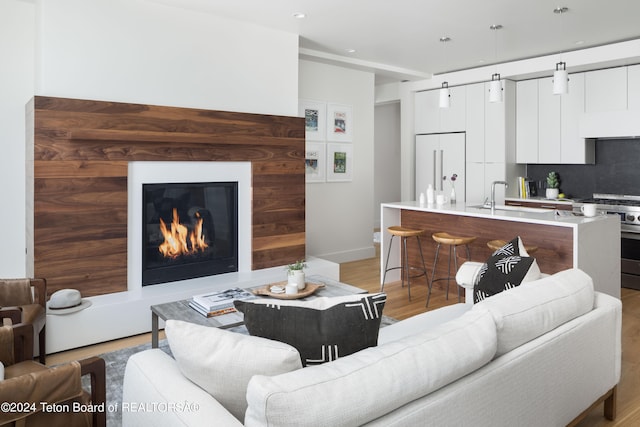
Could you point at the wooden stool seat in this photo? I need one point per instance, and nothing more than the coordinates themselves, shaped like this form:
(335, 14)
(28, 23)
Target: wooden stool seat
(400, 231)
(448, 239)
(494, 245)
(444, 238)
(404, 233)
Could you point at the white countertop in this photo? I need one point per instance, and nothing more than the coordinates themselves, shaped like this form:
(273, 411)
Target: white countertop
(507, 213)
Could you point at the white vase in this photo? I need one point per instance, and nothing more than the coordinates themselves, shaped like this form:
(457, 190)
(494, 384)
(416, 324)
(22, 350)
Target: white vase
(552, 193)
(297, 277)
(452, 196)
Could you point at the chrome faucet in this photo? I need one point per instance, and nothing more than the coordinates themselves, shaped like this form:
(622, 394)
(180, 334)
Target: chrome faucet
(493, 193)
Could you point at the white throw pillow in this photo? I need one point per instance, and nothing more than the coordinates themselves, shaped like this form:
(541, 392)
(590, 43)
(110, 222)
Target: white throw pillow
(222, 362)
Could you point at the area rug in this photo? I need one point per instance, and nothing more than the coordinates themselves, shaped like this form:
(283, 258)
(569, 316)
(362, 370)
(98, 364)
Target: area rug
(116, 361)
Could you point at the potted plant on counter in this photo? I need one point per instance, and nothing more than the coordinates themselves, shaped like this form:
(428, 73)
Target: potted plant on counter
(553, 185)
(295, 274)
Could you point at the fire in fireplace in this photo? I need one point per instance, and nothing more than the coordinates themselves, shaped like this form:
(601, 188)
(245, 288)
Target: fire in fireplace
(189, 230)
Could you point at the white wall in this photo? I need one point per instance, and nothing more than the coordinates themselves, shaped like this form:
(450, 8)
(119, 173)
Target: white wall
(387, 157)
(339, 215)
(128, 51)
(17, 35)
(140, 51)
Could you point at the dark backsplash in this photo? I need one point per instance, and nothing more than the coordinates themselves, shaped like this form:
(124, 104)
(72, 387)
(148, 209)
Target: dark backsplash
(616, 171)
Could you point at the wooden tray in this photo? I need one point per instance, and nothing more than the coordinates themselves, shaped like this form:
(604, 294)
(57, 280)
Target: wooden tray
(309, 289)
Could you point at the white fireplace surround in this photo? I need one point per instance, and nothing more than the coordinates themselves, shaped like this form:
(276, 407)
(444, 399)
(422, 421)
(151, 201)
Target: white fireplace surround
(123, 314)
(184, 172)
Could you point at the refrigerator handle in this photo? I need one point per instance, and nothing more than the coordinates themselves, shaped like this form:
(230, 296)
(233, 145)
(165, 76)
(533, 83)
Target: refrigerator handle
(441, 170)
(435, 184)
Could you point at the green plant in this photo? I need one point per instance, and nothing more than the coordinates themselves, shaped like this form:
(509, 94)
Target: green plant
(553, 181)
(298, 265)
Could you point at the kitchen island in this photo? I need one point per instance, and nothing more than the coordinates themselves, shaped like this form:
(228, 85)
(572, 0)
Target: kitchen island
(564, 240)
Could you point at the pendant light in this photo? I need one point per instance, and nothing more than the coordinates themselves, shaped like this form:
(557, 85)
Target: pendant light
(495, 86)
(445, 93)
(560, 75)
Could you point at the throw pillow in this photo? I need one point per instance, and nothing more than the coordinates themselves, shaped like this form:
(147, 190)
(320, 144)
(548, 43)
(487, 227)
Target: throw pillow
(222, 362)
(506, 268)
(322, 329)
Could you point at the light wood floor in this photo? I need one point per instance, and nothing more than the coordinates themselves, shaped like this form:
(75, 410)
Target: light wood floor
(365, 274)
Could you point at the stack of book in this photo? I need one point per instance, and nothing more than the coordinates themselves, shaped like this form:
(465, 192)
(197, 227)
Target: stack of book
(218, 303)
(527, 188)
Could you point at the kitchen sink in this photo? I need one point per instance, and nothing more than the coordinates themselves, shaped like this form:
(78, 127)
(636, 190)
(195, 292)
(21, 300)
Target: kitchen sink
(511, 208)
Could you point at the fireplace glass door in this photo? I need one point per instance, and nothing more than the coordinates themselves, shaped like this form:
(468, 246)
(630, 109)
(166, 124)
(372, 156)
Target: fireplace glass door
(189, 230)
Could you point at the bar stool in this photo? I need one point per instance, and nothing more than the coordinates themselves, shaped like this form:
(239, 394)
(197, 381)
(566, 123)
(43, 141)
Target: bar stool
(404, 233)
(494, 245)
(453, 242)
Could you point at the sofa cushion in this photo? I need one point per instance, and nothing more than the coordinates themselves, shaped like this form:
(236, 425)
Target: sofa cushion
(506, 268)
(370, 383)
(322, 329)
(537, 307)
(222, 362)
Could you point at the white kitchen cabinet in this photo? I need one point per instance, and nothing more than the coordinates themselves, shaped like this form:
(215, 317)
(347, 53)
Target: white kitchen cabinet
(548, 122)
(548, 133)
(573, 148)
(495, 143)
(633, 88)
(605, 90)
(527, 121)
(427, 114)
(430, 118)
(475, 189)
(437, 156)
(475, 123)
(490, 140)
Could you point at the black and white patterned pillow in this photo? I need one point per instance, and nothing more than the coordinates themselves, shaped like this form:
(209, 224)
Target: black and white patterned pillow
(322, 329)
(506, 268)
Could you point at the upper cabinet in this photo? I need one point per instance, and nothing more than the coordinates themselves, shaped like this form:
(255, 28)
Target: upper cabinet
(633, 87)
(547, 124)
(430, 118)
(605, 90)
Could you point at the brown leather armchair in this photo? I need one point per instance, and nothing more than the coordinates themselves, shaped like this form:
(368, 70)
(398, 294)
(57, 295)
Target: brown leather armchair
(38, 395)
(30, 296)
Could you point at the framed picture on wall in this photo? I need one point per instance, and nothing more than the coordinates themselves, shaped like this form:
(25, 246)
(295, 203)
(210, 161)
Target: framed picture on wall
(314, 113)
(339, 162)
(315, 161)
(339, 122)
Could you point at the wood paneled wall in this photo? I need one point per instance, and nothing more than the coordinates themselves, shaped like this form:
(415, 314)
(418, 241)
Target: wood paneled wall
(81, 151)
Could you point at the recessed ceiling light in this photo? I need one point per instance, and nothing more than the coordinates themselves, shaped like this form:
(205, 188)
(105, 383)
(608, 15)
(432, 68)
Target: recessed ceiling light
(579, 42)
(445, 39)
(299, 15)
(562, 9)
(350, 50)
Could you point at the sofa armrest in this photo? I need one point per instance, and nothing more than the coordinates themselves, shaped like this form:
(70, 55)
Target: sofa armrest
(152, 377)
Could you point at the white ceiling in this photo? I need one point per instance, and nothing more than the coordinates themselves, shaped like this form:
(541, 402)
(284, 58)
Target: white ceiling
(399, 39)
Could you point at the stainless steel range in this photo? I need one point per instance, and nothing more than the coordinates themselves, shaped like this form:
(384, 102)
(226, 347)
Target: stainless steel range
(627, 207)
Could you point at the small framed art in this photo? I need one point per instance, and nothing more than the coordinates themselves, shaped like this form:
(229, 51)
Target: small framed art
(339, 162)
(315, 161)
(339, 122)
(314, 113)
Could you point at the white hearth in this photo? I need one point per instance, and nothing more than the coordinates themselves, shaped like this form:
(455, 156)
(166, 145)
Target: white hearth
(123, 314)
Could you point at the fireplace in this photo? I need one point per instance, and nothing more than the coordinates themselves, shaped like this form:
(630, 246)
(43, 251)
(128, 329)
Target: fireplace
(189, 230)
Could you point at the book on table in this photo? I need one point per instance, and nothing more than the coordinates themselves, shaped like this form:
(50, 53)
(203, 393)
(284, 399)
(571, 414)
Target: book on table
(220, 302)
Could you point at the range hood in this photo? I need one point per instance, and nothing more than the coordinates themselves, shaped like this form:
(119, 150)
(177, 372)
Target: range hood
(610, 124)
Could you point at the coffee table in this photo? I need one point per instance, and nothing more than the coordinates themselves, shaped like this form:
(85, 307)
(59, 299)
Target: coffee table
(180, 310)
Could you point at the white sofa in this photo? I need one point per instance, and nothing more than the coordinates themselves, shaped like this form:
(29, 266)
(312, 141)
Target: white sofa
(539, 354)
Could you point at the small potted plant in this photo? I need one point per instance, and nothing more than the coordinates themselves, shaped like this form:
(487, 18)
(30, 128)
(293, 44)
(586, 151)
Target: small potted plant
(295, 274)
(553, 185)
